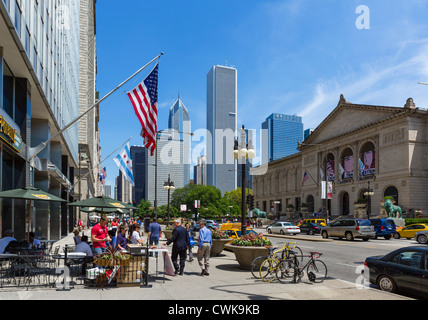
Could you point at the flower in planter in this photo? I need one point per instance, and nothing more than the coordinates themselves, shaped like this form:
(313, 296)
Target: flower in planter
(252, 240)
(216, 234)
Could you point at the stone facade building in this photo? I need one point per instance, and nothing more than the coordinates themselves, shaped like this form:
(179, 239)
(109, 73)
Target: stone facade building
(357, 147)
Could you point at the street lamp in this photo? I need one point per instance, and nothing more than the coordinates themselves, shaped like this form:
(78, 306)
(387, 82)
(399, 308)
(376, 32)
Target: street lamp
(243, 151)
(168, 186)
(369, 193)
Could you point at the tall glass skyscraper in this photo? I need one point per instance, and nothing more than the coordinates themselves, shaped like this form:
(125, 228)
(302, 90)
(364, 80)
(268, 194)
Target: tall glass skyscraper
(222, 109)
(284, 133)
(179, 123)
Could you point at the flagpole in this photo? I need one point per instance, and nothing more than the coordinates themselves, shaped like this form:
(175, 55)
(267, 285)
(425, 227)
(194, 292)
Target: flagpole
(33, 152)
(98, 164)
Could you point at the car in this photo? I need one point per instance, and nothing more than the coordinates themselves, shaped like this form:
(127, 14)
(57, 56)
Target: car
(384, 227)
(321, 222)
(310, 228)
(212, 224)
(403, 270)
(283, 228)
(422, 237)
(409, 232)
(349, 229)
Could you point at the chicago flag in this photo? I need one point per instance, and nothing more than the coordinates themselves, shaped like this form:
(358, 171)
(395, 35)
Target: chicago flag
(124, 162)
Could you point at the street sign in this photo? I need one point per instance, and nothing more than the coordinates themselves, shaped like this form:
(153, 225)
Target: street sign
(183, 207)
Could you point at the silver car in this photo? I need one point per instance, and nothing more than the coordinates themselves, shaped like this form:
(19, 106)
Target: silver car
(283, 228)
(422, 237)
(349, 229)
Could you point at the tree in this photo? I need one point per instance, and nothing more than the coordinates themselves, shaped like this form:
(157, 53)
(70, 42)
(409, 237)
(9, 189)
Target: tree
(235, 196)
(144, 208)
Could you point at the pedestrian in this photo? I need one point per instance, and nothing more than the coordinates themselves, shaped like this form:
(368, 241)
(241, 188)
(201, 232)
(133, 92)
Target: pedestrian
(114, 225)
(99, 236)
(191, 241)
(155, 231)
(204, 251)
(181, 240)
(34, 243)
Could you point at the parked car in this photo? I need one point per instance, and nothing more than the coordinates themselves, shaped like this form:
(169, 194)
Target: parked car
(409, 232)
(403, 270)
(384, 227)
(283, 228)
(310, 228)
(212, 224)
(422, 237)
(349, 229)
(321, 222)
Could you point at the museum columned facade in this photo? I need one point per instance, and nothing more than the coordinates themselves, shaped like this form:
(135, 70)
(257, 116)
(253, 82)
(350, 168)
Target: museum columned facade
(356, 148)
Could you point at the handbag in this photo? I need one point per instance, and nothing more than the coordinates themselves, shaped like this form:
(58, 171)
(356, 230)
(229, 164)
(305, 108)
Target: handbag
(192, 242)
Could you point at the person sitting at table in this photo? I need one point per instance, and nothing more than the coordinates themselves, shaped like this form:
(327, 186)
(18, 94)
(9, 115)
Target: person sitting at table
(84, 247)
(4, 242)
(34, 243)
(135, 236)
(76, 237)
(112, 235)
(121, 241)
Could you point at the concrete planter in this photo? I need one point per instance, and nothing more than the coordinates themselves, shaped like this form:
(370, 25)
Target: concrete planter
(218, 246)
(246, 255)
(168, 234)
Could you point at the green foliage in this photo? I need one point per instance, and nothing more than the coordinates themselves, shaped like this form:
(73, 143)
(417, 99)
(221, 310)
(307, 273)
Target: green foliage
(416, 221)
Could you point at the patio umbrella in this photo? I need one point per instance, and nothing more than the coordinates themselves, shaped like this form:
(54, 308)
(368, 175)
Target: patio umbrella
(31, 194)
(104, 210)
(102, 203)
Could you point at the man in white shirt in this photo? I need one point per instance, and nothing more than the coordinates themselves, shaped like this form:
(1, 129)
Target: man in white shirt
(4, 242)
(34, 243)
(84, 247)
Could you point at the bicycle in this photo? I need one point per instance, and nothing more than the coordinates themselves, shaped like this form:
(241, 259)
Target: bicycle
(269, 266)
(315, 269)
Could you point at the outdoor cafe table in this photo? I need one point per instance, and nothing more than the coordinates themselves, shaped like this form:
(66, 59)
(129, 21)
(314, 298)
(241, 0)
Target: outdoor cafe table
(167, 264)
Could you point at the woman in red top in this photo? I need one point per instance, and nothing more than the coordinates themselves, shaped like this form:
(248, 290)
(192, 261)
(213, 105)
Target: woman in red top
(114, 225)
(99, 236)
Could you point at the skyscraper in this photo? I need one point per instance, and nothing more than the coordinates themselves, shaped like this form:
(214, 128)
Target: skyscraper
(222, 108)
(284, 132)
(179, 123)
(139, 156)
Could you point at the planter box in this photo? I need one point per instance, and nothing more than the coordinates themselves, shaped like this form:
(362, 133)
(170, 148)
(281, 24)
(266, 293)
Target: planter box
(218, 246)
(246, 255)
(168, 234)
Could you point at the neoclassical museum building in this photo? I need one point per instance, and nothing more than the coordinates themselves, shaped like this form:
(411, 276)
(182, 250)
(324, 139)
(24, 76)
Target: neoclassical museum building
(357, 148)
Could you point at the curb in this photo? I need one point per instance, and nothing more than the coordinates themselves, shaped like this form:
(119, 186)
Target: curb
(297, 238)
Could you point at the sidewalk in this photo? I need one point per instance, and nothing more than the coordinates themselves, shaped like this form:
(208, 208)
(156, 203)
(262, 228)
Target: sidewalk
(226, 282)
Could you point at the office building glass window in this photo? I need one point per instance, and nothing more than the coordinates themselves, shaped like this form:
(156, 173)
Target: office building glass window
(8, 90)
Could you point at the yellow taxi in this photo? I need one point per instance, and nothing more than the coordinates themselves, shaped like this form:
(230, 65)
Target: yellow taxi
(321, 222)
(234, 230)
(410, 231)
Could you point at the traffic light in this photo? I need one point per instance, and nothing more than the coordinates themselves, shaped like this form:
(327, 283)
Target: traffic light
(252, 202)
(248, 199)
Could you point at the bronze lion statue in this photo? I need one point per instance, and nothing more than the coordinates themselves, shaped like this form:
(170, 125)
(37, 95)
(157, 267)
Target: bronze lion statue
(392, 210)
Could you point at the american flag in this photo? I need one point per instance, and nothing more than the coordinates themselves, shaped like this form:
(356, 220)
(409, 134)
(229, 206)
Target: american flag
(144, 99)
(103, 175)
(305, 178)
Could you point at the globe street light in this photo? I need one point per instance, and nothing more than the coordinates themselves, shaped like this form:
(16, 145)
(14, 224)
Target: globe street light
(168, 186)
(243, 151)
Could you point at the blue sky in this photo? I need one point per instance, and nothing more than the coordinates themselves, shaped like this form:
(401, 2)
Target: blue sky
(292, 57)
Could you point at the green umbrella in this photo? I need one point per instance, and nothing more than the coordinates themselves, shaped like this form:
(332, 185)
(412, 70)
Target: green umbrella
(32, 194)
(102, 202)
(104, 210)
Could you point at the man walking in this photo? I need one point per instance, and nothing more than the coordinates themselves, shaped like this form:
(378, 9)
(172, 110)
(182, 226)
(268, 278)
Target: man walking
(181, 240)
(204, 251)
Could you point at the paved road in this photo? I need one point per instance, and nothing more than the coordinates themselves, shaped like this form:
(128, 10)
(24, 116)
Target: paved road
(344, 257)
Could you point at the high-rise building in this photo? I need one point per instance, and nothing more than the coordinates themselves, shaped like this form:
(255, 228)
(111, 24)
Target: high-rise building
(284, 132)
(39, 95)
(89, 140)
(307, 133)
(139, 156)
(222, 108)
(170, 153)
(200, 171)
(179, 123)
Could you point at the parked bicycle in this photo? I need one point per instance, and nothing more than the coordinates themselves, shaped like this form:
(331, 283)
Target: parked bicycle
(267, 267)
(315, 269)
